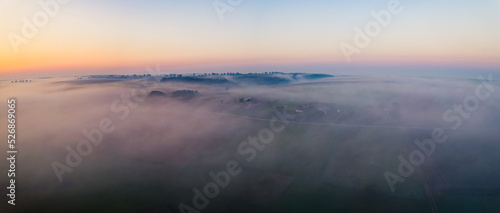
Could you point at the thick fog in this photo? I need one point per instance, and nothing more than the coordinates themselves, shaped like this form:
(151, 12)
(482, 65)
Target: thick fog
(345, 134)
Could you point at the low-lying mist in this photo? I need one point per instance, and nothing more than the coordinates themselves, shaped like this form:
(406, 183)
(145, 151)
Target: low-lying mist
(346, 132)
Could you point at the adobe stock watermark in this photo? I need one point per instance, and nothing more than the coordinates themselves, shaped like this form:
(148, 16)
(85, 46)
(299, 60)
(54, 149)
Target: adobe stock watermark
(122, 107)
(248, 149)
(223, 6)
(363, 36)
(30, 28)
(425, 148)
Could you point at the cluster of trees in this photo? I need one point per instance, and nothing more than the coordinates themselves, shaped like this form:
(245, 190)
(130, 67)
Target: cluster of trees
(185, 93)
(234, 73)
(20, 81)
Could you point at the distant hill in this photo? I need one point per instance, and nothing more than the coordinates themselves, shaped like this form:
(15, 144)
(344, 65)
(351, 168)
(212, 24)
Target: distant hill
(248, 79)
(316, 76)
(196, 79)
(261, 79)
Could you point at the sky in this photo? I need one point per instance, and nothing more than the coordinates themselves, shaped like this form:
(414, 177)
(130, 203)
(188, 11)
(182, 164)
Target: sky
(78, 36)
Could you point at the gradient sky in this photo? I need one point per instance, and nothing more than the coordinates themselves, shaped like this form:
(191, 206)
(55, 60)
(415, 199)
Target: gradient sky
(112, 34)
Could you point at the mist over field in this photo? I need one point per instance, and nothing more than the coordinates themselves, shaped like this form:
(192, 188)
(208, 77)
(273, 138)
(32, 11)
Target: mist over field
(342, 135)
